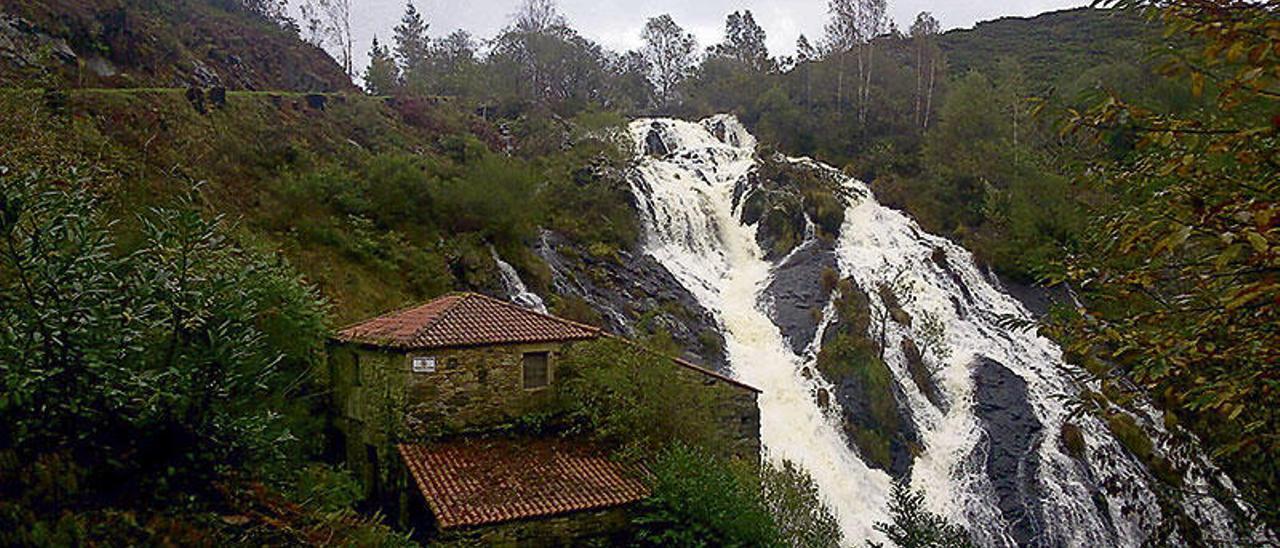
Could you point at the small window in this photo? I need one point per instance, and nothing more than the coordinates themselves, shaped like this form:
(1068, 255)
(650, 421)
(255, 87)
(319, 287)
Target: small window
(424, 364)
(537, 373)
(355, 369)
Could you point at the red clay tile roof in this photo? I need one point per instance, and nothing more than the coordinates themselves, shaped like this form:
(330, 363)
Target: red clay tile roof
(484, 481)
(464, 319)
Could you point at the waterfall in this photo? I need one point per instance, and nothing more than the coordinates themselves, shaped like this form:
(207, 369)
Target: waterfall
(990, 457)
(516, 289)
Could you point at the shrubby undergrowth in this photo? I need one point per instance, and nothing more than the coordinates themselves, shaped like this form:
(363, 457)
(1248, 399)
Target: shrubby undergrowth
(144, 384)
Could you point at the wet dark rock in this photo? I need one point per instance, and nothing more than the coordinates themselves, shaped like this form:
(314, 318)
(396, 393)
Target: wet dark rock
(195, 96)
(653, 143)
(939, 258)
(921, 376)
(1037, 299)
(898, 314)
(203, 76)
(1072, 439)
(719, 130)
(628, 287)
(798, 295)
(317, 101)
(779, 218)
(876, 421)
(23, 44)
(218, 97)
(1014, 435)
(885, 442)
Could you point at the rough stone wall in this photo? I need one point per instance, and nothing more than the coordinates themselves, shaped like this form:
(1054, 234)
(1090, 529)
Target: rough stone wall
(379, 400)
(474, 388)
(738, 414)
(364, 410)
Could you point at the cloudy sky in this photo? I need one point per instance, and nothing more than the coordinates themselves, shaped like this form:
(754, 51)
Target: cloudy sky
(617, 23)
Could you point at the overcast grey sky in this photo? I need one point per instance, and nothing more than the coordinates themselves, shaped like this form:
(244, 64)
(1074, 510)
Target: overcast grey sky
(616, 23)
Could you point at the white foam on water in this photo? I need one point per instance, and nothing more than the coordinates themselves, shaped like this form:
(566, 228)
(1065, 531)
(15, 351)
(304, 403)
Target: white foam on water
(690, 201)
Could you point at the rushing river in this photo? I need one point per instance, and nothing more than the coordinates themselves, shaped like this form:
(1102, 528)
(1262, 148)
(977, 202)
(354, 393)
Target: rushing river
(989, 453)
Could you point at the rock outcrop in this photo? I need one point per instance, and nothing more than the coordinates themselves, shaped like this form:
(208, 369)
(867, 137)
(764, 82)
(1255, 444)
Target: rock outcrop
(629, 289)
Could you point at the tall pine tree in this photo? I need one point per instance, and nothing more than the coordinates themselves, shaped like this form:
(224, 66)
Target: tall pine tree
(382, 77)
(413, 46)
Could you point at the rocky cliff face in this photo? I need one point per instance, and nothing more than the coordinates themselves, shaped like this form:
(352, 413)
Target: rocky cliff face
(634, 295)
(136, 43)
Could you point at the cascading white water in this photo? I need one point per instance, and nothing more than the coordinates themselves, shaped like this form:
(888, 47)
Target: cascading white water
(693, 230)
(686, 193)
(515, 287)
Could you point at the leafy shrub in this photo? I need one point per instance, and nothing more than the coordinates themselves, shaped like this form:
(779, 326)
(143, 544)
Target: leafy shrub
(495, 197)
(699, 500)
(157, 369)
(573, 307)
(914, 526)
(398, 190)
(800, 515)
(634, 399)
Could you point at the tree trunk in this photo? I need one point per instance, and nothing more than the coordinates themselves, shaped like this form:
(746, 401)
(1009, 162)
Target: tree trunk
(928, 105)
(861, 75)
(840, 85)
(866, 87)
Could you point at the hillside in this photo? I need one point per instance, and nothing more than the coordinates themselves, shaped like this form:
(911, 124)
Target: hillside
(174, 257)
(1053, 48)
(155, 44)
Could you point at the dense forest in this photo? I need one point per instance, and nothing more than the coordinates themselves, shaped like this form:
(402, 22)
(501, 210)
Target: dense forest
(173, 261)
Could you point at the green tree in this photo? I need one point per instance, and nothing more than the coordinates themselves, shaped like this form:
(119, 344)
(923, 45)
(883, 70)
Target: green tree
(412, 44)
(914, 526)
(744, 42)
(801, 516)
(458, 71)
(928, 58)
(160, 368)
(1179, 271)
(382, 77)
(539, 59)
(669, 51)
(634, 399)
(699, 500)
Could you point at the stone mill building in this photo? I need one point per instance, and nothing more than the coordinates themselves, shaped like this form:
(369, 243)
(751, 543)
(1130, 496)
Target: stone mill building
(418, 393)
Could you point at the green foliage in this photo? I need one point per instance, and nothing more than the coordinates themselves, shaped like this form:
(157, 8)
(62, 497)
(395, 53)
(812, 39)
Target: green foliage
(496, 198)
(914, 526)
(801, 516)
(325, 488)
(1055, 47)
(170, 373)
(852, 355)
(175, 338)
(634, 399)
(849, 356)
(699, 500)
(382, 76)
(1178, 269)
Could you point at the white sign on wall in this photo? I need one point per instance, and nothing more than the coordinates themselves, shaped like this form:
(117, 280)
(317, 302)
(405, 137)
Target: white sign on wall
(424, 364)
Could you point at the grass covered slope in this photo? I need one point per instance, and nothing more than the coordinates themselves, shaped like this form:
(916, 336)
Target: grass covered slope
(378, 203)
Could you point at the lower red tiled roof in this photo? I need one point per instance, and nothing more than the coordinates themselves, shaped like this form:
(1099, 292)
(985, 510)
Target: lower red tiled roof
(484, 481)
